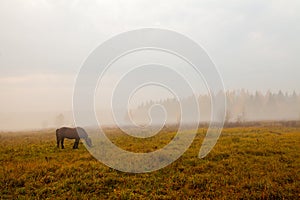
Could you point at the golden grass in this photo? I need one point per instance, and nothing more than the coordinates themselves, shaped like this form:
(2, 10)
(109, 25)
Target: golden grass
(246, 163)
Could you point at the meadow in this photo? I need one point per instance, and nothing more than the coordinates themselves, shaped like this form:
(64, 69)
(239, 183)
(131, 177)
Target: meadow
(254, 162)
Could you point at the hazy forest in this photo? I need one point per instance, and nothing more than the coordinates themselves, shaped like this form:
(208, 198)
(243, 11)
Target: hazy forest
(242, 106)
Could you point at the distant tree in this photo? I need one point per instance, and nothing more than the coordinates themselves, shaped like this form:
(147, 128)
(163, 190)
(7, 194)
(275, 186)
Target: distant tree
(59, 120)
(242, 116)
(45, 124)
(280, 96)
(228, 116)
(294, 97)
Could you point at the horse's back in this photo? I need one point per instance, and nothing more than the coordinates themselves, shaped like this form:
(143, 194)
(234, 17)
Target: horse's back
(72, 133)
(67, 132)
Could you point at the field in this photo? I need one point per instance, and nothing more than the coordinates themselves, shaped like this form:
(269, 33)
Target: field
(258, 162)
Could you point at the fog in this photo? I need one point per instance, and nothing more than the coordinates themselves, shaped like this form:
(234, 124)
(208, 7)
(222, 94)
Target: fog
(242, 106)
(43, 45)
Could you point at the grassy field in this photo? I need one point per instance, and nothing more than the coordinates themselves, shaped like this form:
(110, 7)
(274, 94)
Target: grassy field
(246, 163)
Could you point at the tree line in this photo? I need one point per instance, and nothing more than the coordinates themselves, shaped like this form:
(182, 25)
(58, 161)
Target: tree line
(242, 106)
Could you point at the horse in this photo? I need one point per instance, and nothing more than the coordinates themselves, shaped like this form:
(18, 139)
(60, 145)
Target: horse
(72, 133)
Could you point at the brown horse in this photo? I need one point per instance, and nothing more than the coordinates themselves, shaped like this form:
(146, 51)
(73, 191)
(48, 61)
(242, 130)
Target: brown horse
(72, 133)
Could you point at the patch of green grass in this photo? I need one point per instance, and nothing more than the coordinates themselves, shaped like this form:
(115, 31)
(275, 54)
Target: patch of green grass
(246, 163)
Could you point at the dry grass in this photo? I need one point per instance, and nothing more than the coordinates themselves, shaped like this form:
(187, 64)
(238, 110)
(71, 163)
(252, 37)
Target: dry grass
(246, 163)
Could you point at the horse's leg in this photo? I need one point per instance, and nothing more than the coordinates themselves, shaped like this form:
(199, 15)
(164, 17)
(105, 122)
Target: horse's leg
(62, 143)
(57, 137)
(57, 142)
(76, 143)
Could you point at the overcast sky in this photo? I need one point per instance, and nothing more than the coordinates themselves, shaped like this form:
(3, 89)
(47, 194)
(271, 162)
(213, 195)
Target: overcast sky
(255, 44)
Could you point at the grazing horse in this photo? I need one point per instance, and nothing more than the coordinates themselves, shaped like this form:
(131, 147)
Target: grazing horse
(72, 133)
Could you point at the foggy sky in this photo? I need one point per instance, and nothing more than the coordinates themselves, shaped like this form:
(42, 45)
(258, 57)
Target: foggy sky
(254, 44)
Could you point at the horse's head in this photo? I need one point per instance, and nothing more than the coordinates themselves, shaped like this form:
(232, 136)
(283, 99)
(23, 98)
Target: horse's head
(88, 142)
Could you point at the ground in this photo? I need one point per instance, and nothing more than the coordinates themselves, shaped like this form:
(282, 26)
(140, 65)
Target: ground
(256, 162)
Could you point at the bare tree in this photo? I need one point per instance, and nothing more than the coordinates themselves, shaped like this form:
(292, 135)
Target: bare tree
(228, 116)
(59, 120)
(45, 124)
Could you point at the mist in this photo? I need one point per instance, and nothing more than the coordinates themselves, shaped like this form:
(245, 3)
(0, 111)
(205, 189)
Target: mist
(43, 44)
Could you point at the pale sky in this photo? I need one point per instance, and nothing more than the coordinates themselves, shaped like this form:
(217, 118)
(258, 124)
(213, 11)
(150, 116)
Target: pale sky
(254, 43)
